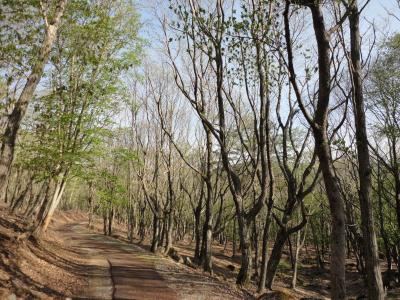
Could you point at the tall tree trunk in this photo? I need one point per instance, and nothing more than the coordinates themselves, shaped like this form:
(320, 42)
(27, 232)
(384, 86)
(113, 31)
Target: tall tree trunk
(90, 204)
(397, 192)
(208, 232)
(14, 119)
(156, 233)
(275, 257)
(264, 256)
(282, 236)
(234, 239)
(56, 200)
(255, 245)
(48, 207)
(319, 125)
(110, 220)
(171, 202)
(299, 244)
(142, 229)
(243, 277)
(370, 249)
(197, 231)
(206, 249)
(105, 222)
(40, 198)
(170, 228)
(338, 230)
(18, 202)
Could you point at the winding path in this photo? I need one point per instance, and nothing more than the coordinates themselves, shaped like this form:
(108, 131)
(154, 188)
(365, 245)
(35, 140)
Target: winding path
(119, 270)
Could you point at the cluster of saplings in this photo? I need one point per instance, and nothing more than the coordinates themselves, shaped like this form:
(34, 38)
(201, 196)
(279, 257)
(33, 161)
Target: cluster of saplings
(260, 125)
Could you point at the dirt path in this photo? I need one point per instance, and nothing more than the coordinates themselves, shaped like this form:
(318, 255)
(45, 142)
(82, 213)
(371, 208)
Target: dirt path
(124, 271)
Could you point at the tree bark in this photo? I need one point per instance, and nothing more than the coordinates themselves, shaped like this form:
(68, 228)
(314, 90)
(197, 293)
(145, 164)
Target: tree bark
(56, 200)
(373, 276)
(246, 259)
(156, 233)
(275, 257)
(264, 249)
(299, 244)
(90, 204)
(197, 231)
(319, 125)
(110, 220)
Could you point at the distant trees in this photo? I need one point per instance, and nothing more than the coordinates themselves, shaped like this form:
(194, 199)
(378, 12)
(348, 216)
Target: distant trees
(382, 102)
(239, 129)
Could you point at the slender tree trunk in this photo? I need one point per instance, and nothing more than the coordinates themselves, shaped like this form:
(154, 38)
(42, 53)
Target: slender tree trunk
(397, 199)
(56, 200)
(338, 231)
(370, 249)
(171, 201)
(90, 204)
(234, 239)
(48, 207)
(155, 239)
(397, 192)
(110, 220)
(39, 199)
(264, 256)
(296, 262)
(275, 257)
(299, 245)
(18, 202)
(206, 250)
(170, 228)
(197, 231)
(142, 229)
(163, 230)
(255, 245)
(319, 125)
(206, 255)
(14, 119)
(243, 277)
(105, 222)
(290, 246)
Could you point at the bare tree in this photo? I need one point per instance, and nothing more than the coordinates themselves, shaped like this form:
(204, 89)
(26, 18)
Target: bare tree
(319, 125)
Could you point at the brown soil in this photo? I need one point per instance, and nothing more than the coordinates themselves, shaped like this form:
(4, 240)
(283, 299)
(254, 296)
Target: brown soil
(37, 269)
(72, 261)
(312, 283)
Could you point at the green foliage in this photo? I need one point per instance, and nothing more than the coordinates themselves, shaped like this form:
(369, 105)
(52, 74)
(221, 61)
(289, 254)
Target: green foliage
(109, 182)
(21, 30)
(72, 118)
(110, 190)
(383, 89)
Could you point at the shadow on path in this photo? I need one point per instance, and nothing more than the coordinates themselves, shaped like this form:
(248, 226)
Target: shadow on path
(117, 270)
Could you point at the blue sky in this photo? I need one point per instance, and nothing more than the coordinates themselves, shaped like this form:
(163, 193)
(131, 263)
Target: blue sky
(378, 10)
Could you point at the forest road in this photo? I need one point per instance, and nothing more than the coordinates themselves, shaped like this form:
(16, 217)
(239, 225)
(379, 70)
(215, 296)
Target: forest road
(118, 270)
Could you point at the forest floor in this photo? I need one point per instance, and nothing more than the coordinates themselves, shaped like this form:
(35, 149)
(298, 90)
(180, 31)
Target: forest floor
(71, 261)
(313, 283)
